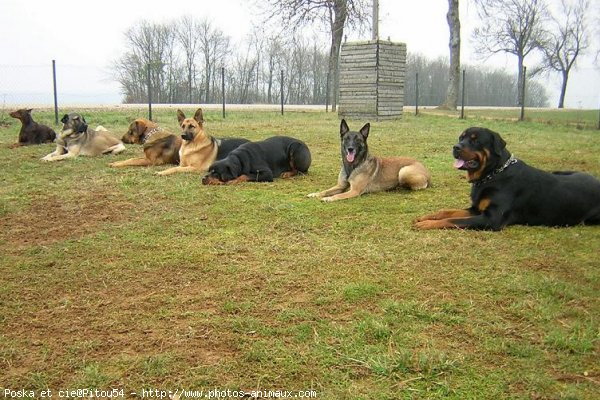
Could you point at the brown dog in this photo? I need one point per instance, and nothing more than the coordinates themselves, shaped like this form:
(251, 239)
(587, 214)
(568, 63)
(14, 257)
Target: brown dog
(160, 146)
(198, 149)
(364, 173)
(31, 132)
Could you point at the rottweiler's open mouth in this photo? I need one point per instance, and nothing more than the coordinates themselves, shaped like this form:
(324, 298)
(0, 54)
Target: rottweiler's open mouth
(459, 163)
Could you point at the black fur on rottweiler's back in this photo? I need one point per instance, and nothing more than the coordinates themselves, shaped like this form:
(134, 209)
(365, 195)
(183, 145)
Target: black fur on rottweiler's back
(526, 195)
(226, 146)
(263, 161)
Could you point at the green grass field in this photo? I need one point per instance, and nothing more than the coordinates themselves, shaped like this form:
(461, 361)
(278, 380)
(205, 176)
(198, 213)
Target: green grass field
(118, 278)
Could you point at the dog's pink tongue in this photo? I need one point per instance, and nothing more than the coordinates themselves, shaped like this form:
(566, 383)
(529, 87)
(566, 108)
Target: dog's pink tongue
(350, 157)
(458, 163)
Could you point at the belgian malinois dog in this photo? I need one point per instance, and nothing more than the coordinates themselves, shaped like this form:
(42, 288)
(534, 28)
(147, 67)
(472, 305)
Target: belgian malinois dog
(363, 173)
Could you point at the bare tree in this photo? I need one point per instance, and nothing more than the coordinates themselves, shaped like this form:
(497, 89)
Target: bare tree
(215, 46)
(567, 41)
(335, 14)
(454, 72)
(510, 26)
(187, 31)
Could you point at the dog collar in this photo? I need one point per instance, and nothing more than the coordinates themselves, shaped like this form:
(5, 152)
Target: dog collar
(149, 134)
(497, 171)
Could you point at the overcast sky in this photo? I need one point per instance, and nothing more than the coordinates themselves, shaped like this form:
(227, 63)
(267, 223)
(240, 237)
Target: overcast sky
(85, 37)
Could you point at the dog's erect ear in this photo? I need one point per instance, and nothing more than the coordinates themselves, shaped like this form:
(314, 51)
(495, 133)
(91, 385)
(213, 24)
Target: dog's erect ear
(365, 130)
(64, 119)
(498, 144)
(83, 119)
(29, 110)
(198, 116)
(344, 128)
(180, 116)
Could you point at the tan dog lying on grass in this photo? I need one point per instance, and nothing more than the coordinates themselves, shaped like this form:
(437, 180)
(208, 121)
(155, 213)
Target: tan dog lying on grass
(160, 146)
(76, 139)
(363, 173)
(198, 149)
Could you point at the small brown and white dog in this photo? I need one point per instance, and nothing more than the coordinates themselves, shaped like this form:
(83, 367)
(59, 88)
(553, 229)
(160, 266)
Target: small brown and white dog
(77, 139)
(199, 150)
(363, 173)
(160, 146)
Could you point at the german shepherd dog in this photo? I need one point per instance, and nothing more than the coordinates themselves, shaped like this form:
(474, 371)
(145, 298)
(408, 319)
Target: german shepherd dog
(506, 191)
(277, 156)
(199, 150)
(160, 146)
(77, 139)
(363, 173)
(31, 132)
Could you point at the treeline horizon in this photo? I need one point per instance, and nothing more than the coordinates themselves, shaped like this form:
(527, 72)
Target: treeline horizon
(183, 60)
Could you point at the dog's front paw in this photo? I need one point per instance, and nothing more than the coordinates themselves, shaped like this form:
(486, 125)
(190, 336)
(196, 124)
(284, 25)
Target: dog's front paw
(426, 224)
(423, 218)
(315, 194)
(46, 158)
(328, 199)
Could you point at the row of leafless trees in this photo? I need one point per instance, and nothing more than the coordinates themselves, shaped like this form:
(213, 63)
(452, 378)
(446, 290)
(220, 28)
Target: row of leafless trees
(524, 27)
(183, 62)
(483, 86)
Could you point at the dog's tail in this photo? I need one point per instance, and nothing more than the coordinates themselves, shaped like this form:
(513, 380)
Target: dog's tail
(414, 177)
(100, 128)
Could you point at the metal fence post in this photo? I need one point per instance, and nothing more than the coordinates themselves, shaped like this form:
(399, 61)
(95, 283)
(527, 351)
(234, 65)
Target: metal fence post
(522, 117)
(462, 106)
(281, 92)
(417, 94)
(223, 88)
(149, 93)
(55, 96)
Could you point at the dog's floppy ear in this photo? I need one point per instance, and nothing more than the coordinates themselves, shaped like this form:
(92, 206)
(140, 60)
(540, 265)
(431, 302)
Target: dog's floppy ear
(498, 144)
(365, 130)
(65, 118)
(180, 116)
(140, 127)
(198, 116)
(344, 128)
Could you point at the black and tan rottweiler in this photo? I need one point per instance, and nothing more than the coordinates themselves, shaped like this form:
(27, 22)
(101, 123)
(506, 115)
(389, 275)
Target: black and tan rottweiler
(278, 156)
(31, 132)
(506, 191)
(363, 173)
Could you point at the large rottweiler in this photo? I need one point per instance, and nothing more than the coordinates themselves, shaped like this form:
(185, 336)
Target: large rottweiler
(506, 191)
(278, 156)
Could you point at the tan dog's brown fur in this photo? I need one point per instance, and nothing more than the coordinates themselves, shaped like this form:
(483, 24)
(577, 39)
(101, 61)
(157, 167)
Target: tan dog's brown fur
(372, 174)
(162, 147)
(379, 174)
(197, 154)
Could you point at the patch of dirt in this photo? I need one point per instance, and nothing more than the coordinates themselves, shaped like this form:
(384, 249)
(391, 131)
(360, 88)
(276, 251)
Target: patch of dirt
(50, 219)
